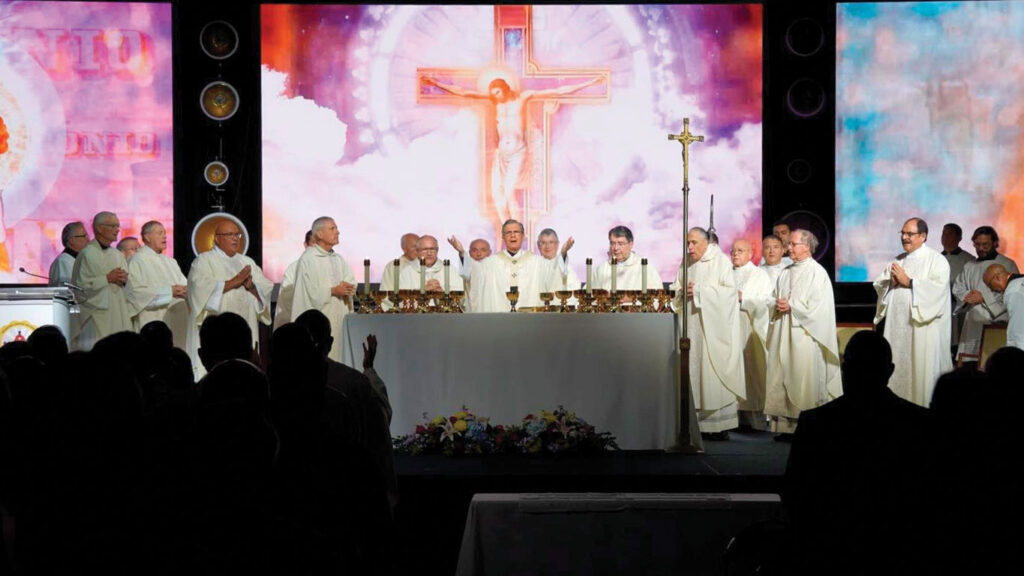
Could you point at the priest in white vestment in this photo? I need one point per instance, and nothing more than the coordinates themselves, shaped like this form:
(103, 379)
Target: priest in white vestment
(547, 246)
(223, 279)
(629, 268)
(324, 282)
(710, 306)
(433, 270)
(73, 237)
(979, 305)
(802, 369)
(999, 279)
(773, 262)
(913, 298)
(410, 257)
(754, 288)
(101, 272)
(781, 232)
(952, 234)
(156, 286)
(283, 311)
(493, 277)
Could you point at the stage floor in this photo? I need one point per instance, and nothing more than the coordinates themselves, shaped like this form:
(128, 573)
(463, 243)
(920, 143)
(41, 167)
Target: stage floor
(437, 490)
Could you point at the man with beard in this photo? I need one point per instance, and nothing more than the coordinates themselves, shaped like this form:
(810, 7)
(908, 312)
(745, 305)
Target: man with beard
(978, 303)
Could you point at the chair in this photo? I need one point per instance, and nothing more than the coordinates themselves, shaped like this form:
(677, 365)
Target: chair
(993, 337)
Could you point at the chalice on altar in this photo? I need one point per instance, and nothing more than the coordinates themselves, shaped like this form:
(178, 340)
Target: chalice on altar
(368, 304)
(547, 297)
(627, 300)
(600, 303)
(563, 295)
(453, 301)
(513, 297)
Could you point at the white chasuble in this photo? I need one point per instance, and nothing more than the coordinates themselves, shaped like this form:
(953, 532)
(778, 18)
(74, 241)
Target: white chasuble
(755, 290)
(716, 347)
(491, 278)
(318, 271)
(151, 278)
(104, 307)
(917, 323)
(802, 369)
(628, 275)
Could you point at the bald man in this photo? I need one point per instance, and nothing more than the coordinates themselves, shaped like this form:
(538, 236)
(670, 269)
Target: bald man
(1011, 286)
(754, 288)
(479, 249)
(410, 257)
(223, 279)
(101, 271)
(433, 270)
(157, 286)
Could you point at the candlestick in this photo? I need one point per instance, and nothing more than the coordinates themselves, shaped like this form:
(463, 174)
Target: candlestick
(366, 277)
(590, 278)
(396, 264)
(615, 274)
(643, 275)
(423, 275)
(447, 265)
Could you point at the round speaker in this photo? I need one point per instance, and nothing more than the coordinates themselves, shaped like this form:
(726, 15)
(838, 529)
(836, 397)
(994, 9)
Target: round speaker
(806, 220)
(799, 171)
(205, 231)
(219, 100)
(216, 173)
(805, 98)
(805, 37)
(218, 39)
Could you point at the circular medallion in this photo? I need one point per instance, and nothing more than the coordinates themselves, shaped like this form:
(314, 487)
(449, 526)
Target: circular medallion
(219, 40)
(216, 173)
(219, 100)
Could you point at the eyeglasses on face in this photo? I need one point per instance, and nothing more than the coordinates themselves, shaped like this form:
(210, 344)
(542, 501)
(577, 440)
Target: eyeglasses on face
(229, 234)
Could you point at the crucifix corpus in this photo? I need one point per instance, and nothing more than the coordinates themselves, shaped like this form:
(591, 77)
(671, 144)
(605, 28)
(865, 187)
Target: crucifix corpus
(689, 433)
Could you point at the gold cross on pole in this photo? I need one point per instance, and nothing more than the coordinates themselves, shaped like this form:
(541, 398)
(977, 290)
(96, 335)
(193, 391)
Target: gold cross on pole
(686, 138)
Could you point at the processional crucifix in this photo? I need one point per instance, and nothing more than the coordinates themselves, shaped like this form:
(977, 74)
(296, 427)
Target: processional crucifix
(515, 92)
(691, 436)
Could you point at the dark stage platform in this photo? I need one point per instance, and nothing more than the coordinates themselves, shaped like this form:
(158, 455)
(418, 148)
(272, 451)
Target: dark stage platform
(436, 490)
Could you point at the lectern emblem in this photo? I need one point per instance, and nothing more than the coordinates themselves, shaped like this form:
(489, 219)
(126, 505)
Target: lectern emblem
(17, 331)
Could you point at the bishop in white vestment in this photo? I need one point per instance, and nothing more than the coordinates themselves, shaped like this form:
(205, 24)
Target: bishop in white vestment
(491, 278)
(223, 279)
(283, 311)
(433, 270)
(324, 282)
(157, 287)
(101, 272)
(773, 262)
(710, 306)
(629, 268)
(913, 298)
(802, 369)
(755, 293)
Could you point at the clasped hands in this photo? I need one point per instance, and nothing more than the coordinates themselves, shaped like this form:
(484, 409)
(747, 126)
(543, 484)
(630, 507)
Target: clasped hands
(899, 276)
(241, 280)
(343, 289)
(118, 276)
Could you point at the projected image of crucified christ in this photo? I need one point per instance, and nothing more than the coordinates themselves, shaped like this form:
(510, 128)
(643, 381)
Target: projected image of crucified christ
(512, 156)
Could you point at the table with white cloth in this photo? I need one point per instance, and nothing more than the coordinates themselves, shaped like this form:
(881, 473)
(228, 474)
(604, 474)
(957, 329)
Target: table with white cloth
(588, 534)
(619, 372)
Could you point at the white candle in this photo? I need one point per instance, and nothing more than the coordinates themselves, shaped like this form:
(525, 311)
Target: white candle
(447, 265)
(396, 264)
(643, 275)
(423, 275)
(615, 274)
(590, 278)
(366, 277)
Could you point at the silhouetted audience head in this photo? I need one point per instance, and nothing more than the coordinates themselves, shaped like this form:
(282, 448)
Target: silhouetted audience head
(296, 373)
(48, 345)
(234, 386)
(867, 364)
(319, 327)
(14, 350)
(1005, 364)
(224, 337)
(157, 336)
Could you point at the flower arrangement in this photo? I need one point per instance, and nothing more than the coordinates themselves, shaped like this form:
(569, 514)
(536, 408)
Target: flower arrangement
(464, 433)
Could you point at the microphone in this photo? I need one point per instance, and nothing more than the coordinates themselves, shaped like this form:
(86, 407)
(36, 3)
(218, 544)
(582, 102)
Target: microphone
(23, 271)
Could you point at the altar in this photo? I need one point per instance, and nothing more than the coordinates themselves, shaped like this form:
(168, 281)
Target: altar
(619, 372)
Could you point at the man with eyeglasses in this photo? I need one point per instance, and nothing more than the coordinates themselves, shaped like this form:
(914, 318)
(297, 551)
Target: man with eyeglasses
(802, 362)
(410, 257)
(433, 270)
(491, 278)
(978, 304)
(629, 269)
(101, 271)
(1011, 286)
(156, 285)
(74, 238)
(325, 282)
(914, 301)
(223, 279)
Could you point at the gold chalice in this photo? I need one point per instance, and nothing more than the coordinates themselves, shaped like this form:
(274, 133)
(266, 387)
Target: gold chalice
(455, 301)
(547, 297)
(513, 297)
(563, 295)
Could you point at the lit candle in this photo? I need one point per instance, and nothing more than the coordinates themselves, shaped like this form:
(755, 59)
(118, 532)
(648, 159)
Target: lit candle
(396, 264)
(590, 277)
(643, 275)
(423, 275)
(366, 277)
(447, 265)
(615, 274)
